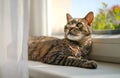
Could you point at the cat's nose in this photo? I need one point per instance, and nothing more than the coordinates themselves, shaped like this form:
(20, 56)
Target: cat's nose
(72, 26)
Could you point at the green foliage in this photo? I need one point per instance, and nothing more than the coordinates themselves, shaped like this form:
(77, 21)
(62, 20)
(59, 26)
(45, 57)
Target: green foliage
(107, 18)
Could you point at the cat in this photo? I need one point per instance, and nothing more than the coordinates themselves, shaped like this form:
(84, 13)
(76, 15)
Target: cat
(73, 50)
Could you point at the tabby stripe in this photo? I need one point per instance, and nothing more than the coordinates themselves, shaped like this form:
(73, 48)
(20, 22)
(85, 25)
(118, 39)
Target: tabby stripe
(67, 60)
(63, 60)
(59, 59)
(71, 62)
(82, 62)
(31, 50)
(75, 62)
(38, 55)
(53, 57)
(44, 56)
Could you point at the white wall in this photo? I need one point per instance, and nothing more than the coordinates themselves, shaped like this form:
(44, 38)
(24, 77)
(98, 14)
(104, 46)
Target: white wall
(57, 14)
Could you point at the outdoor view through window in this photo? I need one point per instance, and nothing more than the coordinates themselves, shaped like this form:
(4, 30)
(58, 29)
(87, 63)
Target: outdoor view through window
(106, 12)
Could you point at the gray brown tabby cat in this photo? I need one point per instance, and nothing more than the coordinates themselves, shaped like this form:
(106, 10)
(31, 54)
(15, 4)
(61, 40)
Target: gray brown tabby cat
(73, 50)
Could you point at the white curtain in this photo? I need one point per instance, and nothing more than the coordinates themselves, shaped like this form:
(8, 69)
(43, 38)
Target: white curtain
(14, 22)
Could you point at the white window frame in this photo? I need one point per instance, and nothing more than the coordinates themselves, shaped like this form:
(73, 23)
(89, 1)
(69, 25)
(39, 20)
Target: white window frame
(39, 18)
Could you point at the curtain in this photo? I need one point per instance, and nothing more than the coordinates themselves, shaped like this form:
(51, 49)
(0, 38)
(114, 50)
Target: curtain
(14, 22)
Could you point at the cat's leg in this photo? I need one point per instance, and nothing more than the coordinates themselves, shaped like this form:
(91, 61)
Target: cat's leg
(71, 61)
(80, 62)
(86, 48)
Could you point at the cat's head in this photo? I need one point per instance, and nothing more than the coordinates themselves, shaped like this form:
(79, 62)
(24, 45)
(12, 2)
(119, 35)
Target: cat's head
(77, 29)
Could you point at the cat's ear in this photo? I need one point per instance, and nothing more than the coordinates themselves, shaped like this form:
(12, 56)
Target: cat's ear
(68, 17)
(89, 17)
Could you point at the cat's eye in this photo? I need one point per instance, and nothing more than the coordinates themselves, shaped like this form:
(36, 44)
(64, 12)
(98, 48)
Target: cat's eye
(79, 25)
(72, 22)
(69, 23)
(85, 31)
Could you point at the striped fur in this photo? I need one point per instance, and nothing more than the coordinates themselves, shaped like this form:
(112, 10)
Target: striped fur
(73, 50)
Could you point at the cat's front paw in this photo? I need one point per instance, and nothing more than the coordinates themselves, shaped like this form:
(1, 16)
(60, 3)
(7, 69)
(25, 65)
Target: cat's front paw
(91, 64)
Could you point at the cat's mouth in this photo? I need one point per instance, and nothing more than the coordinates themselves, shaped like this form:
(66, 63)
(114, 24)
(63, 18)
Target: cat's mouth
(73, 34)
(75, 37)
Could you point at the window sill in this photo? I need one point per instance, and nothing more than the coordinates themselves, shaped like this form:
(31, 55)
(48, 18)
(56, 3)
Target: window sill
(104, 70)
(106, 38)
(106, 48)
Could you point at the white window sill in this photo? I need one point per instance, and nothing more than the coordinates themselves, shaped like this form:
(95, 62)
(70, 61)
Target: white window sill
(106, 39)
(104, 70)
(106, 48)
(106, 36)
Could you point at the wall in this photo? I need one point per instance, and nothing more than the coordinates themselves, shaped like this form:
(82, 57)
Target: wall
(57, 15)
